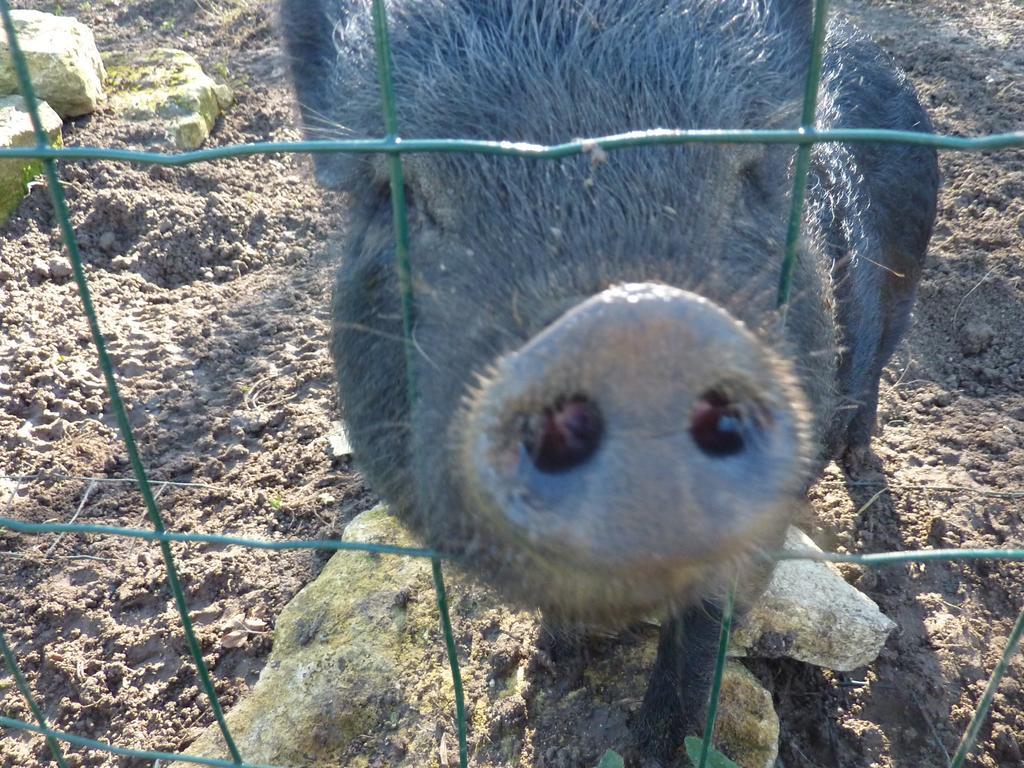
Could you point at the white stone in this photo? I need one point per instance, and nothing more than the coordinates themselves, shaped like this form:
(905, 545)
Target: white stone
(16, 131)
(59, 267)
(63, 62)
(338, 445)
(358, 662)
(40, 269)
(811, 614)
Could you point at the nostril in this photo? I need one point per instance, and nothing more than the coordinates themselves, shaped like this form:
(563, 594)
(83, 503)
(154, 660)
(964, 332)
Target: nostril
(719, 425)
(563, 435)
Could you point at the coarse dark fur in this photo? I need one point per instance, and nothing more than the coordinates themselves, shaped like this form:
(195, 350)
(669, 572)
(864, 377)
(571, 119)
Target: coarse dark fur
(503, 247)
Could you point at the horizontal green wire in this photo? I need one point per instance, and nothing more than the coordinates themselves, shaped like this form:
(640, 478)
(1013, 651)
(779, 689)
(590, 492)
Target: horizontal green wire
(525, 149)
(141, 754)
(879, 558)
(903, 487)
(208, 538)
(909, 556)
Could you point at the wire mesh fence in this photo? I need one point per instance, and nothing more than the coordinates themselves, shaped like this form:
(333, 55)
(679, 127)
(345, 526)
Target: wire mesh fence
(394, 147)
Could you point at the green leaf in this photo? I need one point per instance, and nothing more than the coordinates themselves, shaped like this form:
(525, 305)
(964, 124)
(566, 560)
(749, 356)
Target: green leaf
(611, 759)
(716, 759)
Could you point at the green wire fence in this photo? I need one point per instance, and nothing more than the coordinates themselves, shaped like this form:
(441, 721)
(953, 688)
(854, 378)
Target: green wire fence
(392, 145)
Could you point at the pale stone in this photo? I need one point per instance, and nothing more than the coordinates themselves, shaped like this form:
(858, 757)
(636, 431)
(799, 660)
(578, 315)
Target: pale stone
(40, 269)
(59, 267)
(338, 445)
(16, 131)
(811, 614)
(168, 89)
(747, 728)
(63, 62)
(338, 645)
(358, 676)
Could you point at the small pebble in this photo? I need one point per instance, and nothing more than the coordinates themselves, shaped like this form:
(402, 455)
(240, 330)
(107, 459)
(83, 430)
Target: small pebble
(338, 446)
(131, 366)
(59, 267)
(40, 269)
(108, 242)
(976, 337)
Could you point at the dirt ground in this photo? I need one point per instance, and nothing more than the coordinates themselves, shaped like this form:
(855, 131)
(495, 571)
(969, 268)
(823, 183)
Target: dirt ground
(219, 332)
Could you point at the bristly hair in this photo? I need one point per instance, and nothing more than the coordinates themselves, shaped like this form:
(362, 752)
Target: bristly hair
(547, 70)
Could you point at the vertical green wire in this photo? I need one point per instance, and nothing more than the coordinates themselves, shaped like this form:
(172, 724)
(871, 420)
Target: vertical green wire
(716, 682)
(403, 267)
(453, 661)
(70, 241)
(803, 153)
(399, 209)
(37, 712)
(971, 734)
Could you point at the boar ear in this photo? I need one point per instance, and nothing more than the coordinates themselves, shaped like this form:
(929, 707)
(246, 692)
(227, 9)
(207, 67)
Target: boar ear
(308, 30)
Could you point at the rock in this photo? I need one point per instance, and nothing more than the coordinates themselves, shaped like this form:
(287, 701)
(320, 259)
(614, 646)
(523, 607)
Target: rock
(338, 446)
(811, 614)
(747, 725)
(16, 131)
(169, 89)
(108, 242)
(40, 269)
(59, 267)
(339, 645)
(6, 273)
(63, 62)
(358, 665)
(131, 367)
(254, 424)
(975, 337)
